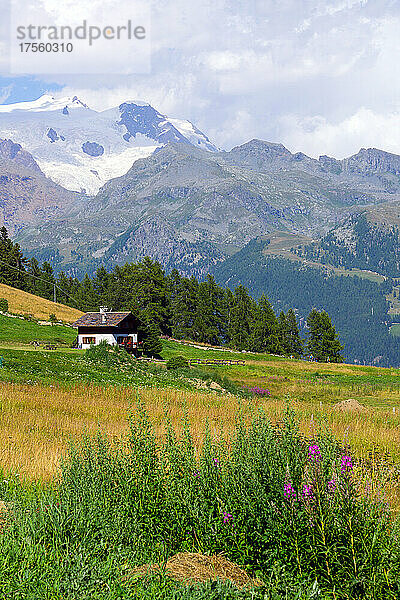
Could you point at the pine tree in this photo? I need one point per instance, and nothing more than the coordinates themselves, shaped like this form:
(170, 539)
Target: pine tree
(148, 290)
(86, 295)
(150, 335)
(295, 345)
(241, 318)
(323, 343)
(45, 286)
(12, 262)
(205, 322)
(101, 284)
(33, 284)
(184, 300)
(265, 334)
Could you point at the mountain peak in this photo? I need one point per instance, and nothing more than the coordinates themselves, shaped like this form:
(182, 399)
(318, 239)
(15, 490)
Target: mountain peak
(45, 103)
(264, 146)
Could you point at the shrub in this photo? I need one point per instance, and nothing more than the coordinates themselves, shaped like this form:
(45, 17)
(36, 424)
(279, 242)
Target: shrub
(30, 317)
(106, 354)
(52, 318)
(177, 362)
(285, 507)
(3, 305)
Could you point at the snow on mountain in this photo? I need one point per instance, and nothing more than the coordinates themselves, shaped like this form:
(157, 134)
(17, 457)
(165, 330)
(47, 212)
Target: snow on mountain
(44, 103)
(80, 148)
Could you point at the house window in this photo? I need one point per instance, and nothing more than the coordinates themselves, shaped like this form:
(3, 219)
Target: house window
(88, 340)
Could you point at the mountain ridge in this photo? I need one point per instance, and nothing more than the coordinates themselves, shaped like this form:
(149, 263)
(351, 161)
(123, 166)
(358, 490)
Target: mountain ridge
(60, 132)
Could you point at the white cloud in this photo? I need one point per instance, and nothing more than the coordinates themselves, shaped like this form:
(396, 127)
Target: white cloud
(310, 73)
(365, 128)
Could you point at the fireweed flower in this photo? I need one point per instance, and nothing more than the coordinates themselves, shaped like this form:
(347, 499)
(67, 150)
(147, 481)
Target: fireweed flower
(289, 492)
(216, 462)
(228, 518)
(196, 473)
(331, 485)
(307, 492)
(314, 453)
(346, 465)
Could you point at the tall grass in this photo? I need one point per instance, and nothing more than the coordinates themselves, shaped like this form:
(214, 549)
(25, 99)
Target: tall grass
(286, 507)
(37, 421)
(24, 303)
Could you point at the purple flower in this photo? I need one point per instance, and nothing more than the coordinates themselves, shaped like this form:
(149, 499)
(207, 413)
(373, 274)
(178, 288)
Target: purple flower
(331, 486)
(307, 492)
(216, 462)
(289, 492)
(314, 453)
(228, 518)
(196, 473)
(260, 391)
(346, 465)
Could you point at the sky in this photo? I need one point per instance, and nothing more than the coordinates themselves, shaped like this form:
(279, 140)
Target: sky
(319, 76)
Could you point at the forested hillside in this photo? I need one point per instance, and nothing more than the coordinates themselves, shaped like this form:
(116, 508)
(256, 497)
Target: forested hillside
(357, 306)
(171, 304)
(358, 244)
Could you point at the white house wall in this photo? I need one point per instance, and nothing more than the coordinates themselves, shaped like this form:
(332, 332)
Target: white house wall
(110, 338)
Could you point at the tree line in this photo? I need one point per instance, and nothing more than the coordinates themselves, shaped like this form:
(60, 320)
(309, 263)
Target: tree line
(373, 248)
(177, 306)
(357, 306)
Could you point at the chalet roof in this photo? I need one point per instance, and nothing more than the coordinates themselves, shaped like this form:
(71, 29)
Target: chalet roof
(95, 319)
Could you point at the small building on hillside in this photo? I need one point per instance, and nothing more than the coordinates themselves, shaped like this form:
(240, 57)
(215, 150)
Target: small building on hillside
(113, 327)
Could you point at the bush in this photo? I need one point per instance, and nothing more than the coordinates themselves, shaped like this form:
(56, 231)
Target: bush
(287, 508)
(3, 305)
(177, 362)
(30, 317)
(107, 355)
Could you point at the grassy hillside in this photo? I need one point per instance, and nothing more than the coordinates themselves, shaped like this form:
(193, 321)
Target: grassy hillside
(20, 302)
(52, 391)
(136, 494)
(18, 331)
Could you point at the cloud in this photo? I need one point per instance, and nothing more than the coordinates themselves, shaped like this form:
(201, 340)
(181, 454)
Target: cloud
(365, 128)
(309, 73)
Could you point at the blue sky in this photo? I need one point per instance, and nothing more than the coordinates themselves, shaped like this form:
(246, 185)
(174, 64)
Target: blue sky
(320, 76)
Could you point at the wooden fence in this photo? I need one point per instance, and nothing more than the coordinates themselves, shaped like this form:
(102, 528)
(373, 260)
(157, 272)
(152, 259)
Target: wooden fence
(218, 362)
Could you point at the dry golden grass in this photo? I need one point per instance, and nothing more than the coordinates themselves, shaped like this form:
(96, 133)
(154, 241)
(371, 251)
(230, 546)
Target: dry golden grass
(193, 567)
(20, 302)
(37, 422)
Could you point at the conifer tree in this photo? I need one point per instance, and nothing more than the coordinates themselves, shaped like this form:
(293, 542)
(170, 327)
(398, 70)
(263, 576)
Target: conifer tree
(149, 293)
(205, 325)
(101, 283)
(64, 291)
(45, 286)
(323, 343)
(33, 281)
(241, 318)
(86, 295)
(12, 262)
(184, 301)
(265, 334)
(293, 343)
(150, 335)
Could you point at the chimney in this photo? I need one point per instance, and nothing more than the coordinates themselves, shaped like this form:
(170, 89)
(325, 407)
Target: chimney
(103, 313)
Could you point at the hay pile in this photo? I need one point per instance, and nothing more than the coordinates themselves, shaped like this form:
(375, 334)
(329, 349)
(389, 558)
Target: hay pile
(198, 568)
(349, 405)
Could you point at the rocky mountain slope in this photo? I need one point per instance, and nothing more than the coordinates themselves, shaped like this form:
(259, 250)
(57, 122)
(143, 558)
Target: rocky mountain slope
(191, 208)
(27, 196)
(156, 185)
(80, 148)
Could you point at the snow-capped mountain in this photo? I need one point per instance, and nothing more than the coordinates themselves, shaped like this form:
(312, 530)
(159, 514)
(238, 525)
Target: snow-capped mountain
(80, 148)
